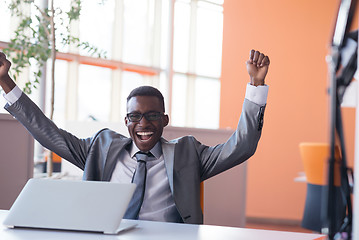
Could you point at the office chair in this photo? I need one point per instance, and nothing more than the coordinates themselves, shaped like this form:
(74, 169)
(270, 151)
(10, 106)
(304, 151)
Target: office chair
(315, 157)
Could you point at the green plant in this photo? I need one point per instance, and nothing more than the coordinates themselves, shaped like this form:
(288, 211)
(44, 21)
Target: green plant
(36, 38)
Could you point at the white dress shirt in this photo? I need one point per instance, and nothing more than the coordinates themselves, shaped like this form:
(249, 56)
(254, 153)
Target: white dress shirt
(158, 203)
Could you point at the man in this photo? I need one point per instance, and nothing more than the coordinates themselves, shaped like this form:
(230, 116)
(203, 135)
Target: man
(171, 171)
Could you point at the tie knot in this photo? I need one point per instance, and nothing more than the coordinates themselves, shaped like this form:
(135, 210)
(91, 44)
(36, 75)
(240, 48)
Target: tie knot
(142, 156)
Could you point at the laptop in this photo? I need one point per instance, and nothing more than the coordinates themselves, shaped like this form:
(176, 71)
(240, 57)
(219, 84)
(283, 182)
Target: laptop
(72, 205)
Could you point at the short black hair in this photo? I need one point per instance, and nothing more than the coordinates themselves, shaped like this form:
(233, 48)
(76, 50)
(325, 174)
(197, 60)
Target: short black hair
(147, 91)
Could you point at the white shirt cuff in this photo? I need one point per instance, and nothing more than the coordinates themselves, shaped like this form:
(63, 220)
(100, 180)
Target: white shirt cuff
(257, 94)
(12, 96)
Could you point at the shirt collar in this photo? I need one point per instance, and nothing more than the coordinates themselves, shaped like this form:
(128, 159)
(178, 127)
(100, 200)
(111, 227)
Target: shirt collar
(156, 150)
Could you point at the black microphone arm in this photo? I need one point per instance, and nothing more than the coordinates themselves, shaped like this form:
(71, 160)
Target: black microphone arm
(340, 77)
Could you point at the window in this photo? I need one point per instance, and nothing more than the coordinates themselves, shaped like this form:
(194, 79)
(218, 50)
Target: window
(96, 24)
(197, 55)
(60, 91)
(93, 98)
(5, 22)
(174, 45)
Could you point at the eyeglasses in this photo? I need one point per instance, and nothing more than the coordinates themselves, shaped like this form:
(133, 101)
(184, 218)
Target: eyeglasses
(150, 116)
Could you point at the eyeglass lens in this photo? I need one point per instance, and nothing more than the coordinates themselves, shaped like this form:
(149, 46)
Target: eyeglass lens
(151, 116)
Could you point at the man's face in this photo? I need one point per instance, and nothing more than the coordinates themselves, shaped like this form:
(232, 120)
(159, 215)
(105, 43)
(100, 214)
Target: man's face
(145, 133)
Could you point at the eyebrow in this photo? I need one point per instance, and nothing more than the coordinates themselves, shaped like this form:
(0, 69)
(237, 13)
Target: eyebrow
(144, 112)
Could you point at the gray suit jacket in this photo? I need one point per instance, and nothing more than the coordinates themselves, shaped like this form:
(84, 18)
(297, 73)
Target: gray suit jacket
(187, 161)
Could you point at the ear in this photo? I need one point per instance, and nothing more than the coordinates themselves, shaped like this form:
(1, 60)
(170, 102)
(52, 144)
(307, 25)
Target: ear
(166, 120)
(126, 121)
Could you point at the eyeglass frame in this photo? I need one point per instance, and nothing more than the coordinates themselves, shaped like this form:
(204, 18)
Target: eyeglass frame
(160, 114)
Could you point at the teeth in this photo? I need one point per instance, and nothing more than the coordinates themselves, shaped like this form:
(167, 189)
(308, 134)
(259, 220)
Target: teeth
(145, 133)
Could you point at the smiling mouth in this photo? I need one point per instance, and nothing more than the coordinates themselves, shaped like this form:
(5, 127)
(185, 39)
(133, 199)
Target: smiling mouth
(144, 136)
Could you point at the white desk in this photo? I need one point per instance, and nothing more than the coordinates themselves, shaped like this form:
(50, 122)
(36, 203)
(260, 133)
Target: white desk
(157, 231)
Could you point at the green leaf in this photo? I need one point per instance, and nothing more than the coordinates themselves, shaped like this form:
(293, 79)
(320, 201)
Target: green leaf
(31, 41)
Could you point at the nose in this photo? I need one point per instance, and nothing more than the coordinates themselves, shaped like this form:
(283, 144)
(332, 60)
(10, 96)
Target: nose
(144, 121)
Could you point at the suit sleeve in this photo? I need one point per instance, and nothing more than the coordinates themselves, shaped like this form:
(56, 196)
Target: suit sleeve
(238, 148)
(48, 134)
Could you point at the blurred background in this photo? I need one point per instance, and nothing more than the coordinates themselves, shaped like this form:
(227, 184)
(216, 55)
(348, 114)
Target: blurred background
(195, 51)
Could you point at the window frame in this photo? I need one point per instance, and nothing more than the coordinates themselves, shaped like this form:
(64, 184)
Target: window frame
(118, 66)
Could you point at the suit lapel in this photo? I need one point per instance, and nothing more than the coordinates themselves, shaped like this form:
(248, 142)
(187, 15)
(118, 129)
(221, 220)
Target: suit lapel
(168, 150)
(115, 148)
(118, 145)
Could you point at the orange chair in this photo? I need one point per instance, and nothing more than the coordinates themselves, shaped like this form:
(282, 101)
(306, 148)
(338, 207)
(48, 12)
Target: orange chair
(56, 163)
(315, 157)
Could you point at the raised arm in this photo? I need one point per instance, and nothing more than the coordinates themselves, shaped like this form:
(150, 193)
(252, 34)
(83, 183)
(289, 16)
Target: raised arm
(257, 67)
(6, 82)
(243, 143)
